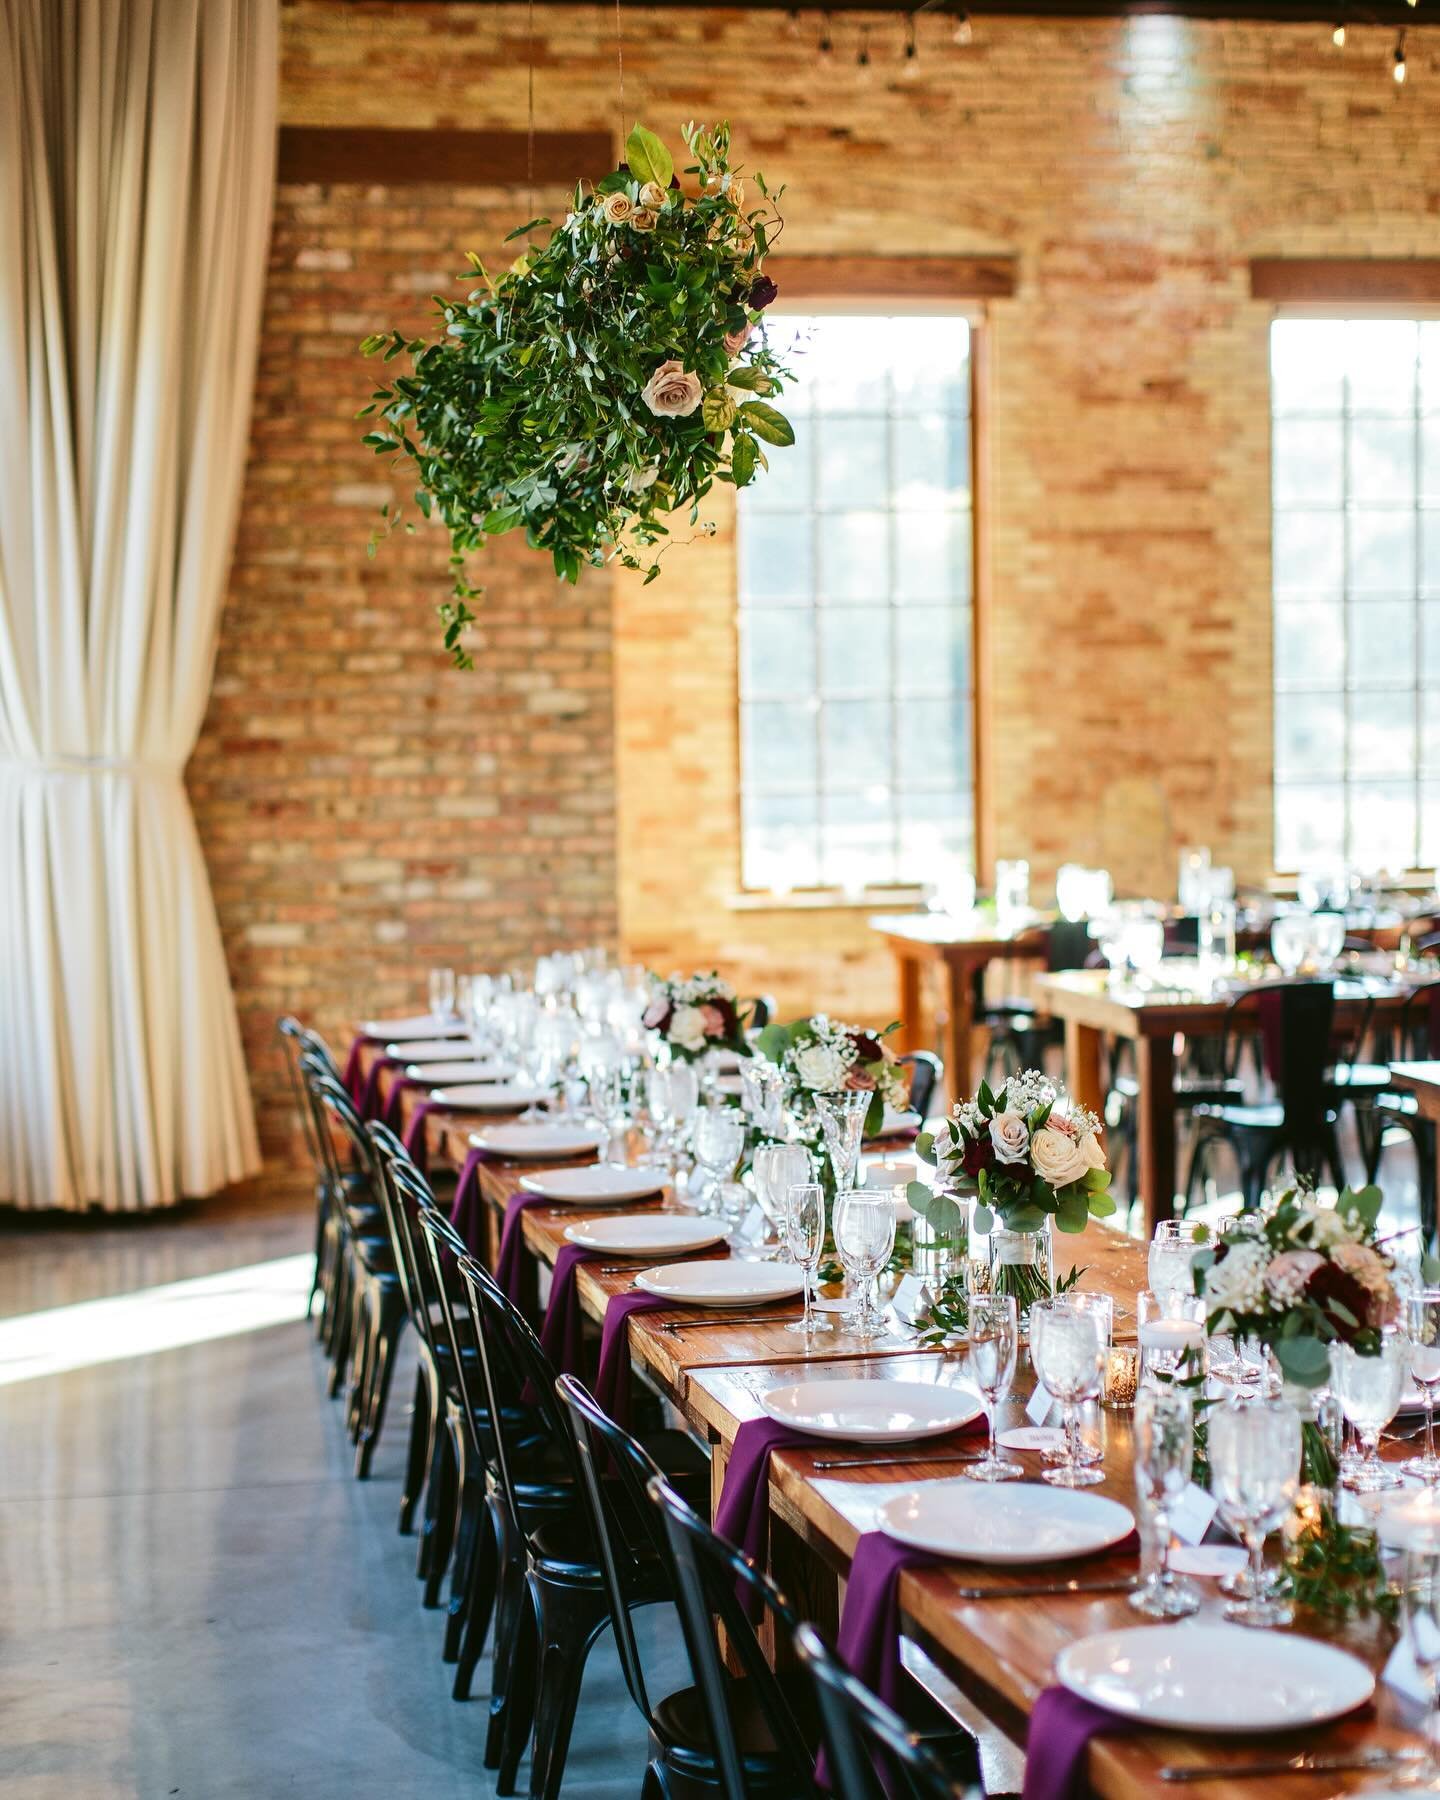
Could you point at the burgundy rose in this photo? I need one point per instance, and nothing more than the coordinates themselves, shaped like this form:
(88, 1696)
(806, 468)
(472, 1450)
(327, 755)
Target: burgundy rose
(979, 1154)
(730, 1019)
(762, 291)
(1329, 1284)
(867, 1047)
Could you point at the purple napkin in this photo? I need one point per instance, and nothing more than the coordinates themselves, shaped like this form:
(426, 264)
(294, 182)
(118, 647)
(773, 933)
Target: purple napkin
(612, 1379)
(561, 1336)
(510, 1263)
(1057, 1742)
(369, 1102)
(869, 1638)
(397, 1091)
(743, 1514)
(352, 1065)
(467, 1213)
(415, 1132)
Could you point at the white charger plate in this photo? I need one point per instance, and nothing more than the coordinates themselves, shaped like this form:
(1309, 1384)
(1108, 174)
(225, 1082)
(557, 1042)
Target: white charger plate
(490, 1096)
(1019, 1522)
(423, 1025)
(460, 1071)
(1221, 1678)
(536, 1142)
(646, 1234)
(870, 1411)
(723, 1283)
(597, 1184)
(426, 1050)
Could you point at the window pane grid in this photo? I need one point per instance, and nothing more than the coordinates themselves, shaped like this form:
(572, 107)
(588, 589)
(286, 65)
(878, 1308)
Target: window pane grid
(855, 695)
(1356, 477)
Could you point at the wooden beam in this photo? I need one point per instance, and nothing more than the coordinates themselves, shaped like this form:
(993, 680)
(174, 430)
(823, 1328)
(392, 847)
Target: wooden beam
(1367, 281)
(904, 279)
(340, 153)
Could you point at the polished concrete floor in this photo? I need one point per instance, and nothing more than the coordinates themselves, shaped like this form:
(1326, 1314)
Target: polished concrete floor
(197, 1599)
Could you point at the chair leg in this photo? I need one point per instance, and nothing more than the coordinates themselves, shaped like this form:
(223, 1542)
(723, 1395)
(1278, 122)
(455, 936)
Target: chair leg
(337, 1344)
(442, 1526)
(386, 1343)
(417, 1458)
(363, 1331)
(512, 1608)
(570, 1621)
(517, 1709)
(469, 1502)
(479, 1605)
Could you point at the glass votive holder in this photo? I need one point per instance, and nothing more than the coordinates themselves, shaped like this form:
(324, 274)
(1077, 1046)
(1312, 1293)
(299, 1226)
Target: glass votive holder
(1102, 1306)
(1122, 1377)
(1170, 1330)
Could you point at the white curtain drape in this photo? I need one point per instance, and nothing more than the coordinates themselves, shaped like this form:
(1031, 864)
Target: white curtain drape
(137, 146)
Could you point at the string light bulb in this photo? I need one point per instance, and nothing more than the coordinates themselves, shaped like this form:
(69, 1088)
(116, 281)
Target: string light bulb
(826, 42)
(912, 49)
(1337, 36)
(862, 58)
(1399, 69)
(964, 31)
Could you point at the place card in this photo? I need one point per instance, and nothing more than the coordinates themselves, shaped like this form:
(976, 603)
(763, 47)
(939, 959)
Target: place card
(911, 1298)
(1401, 1674)
(1191, 1514)
(1037, 1407)
(1032, 1437)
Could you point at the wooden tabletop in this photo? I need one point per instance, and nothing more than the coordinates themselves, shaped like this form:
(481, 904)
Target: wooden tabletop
(1000, 1651)
(1160, 1006)
(934, 934)
(1422, 1079)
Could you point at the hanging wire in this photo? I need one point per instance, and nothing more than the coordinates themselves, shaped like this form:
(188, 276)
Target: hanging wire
(530, 105)
(620, 68)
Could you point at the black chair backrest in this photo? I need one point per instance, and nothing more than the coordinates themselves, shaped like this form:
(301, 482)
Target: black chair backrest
(294, 1040)
(926, 1072)
(604, 1447)
(1295, 1025)
(707, 1572)
(1418, 1027)
(762, 1011)
(332, 1103)
(862, 1735)
(444, 1247)
(1069, 945)
(401, 1204)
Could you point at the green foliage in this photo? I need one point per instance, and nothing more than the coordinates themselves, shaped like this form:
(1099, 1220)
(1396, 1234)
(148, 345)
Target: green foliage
(1336, 1572)
(527, 412)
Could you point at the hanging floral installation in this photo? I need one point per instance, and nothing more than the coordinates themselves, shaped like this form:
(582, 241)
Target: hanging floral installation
(604, 380)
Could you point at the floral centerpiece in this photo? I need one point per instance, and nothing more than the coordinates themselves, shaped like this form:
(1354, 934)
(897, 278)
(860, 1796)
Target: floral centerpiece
(607, 378)
(695, 1015)
(820, 1055)
(1032, 1157)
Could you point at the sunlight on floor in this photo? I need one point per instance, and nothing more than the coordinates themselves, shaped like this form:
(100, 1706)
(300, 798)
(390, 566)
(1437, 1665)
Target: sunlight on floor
(154, 1319)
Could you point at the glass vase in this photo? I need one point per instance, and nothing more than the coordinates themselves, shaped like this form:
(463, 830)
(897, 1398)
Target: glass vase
(936, 1255)
(1020, 1265)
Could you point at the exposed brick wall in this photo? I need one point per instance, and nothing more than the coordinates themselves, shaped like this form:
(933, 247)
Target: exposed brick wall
(1132, 167)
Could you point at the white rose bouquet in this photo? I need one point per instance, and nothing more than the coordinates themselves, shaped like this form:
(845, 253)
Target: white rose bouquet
(1029, 1154)
(820, 1055)
(696, 1014)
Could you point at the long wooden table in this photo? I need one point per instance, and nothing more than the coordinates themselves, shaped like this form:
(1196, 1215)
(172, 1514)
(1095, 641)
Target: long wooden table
(1000, 1652)
(1422, 1079)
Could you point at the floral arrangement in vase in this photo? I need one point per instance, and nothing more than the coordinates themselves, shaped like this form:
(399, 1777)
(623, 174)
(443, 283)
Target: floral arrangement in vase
(820, 1055)
(696, 1014)
(606, 379)
(1031, 1157)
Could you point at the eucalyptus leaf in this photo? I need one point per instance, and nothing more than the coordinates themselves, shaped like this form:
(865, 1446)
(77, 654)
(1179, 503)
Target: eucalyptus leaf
(648, 158)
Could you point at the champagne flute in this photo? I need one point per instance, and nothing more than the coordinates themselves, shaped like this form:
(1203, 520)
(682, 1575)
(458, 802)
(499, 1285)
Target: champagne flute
(805, 1232)
(993, 1338)
(1164, 1458)
(842, 1119)
(864, 1226)
(1254, 1449)
(1068, 1351)
(1369, 1389)
(1422, 1324)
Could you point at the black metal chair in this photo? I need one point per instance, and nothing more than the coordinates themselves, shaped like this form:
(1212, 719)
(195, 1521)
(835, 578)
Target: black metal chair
(295, 1040)
(1019, 1035)
(1294, 1021)
(870, 1752)
(926, 1074)
(762, 1011)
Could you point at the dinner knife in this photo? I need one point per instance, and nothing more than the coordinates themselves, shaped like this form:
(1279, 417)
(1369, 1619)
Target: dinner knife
(1307, 1763)
(897, 1462)
(1033, 1590)
(675, 1325)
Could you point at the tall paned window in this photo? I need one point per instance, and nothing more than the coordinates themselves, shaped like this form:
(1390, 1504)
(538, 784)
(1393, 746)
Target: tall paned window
(1356, 447)
(855, 559)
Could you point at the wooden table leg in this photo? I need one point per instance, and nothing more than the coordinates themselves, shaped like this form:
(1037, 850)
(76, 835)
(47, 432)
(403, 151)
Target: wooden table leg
(1082, 1066)
(1155, 1067)
(907, 969)
(958, 1044)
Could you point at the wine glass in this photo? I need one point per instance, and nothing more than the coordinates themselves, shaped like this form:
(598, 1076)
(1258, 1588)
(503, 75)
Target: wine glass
(442, 993)
(1164, 1457)
(606, 1087)
(1068, 1350)
(993, 1338)
(1254, 1450)
(719, 1140)
(863, 1224)
(684, 1096)
(762, 1090)
(777, 1168)
(1420, 1605)
(1173, 1250)
(842, 1119)
(1369, 1389)
(1327, 938)
(1289, 940)
(1422, 1325)
(657, 1104)
(805, 1234)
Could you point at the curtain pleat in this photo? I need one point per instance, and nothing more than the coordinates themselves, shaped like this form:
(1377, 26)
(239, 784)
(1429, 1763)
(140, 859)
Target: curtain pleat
(137, 145)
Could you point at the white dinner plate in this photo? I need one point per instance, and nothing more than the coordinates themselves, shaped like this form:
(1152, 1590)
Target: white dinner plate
(425, 1050)
(1223, 1678)
(872, 1412)
(597, 1184)
(723, 1283)
(646, 1234)
(536, 1142)
(490, 1096)
(895, 1122)
(1021, 1522)
(440, 1072)
(426, 1025)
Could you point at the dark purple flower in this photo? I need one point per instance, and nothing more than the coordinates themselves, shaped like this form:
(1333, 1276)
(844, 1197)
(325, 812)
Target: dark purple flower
(762, 291)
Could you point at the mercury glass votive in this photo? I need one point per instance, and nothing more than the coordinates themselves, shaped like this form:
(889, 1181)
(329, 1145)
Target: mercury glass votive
(1122, 1377)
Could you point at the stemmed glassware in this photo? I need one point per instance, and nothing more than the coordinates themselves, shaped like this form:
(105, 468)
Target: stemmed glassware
(606, 1086)
(805, 1234)
(1254, 1451)
(1422, 1325)
(1164, 1458)
(1420, 1604)
(719, 1139)
(1289, 941)
(1172, 1256)
(842, 1119)
(863, 1224)
(777, 1168)
(1369, 1389)
(657, 1104)
(1068, 1350)
(762, 1090)
(1170, 1330)
(993, 1339)
(442, 993)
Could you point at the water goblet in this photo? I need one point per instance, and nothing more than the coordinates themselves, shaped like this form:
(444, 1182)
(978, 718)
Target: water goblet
(442, 993)
(805, 1234)
(762, 1091)
(1369, 1389)
(1289, 940)
(1173, 1249)
(1422, 1327)
(1068, 1351)
(842, 1119)
(1164, 1458)
(1254, 1450)
(992, 1341)
(719, 1141)
(863, 1223)
(777, 1168)
(605, 1085)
